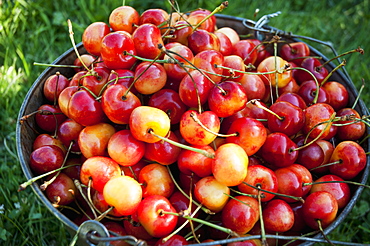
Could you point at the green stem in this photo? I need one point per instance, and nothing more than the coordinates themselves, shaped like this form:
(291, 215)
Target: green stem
(218, 9)
(200, 151)
(337, 181)
(206, 210)
(207, 223)
(275, 193)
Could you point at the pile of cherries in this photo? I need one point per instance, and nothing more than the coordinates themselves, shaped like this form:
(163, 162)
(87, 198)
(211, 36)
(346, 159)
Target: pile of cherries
(175, 131)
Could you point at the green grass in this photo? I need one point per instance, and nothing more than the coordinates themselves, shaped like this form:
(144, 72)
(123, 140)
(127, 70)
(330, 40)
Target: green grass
(36, 31)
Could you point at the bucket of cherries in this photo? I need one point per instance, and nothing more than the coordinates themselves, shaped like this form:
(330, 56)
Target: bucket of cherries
(172, 128)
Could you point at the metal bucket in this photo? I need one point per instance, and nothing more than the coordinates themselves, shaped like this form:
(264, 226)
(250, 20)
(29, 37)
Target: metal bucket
(34, 98)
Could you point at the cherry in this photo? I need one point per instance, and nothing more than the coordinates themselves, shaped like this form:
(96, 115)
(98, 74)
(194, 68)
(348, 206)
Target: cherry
(199, 15)
(118, 103)
(278, 216)
(262, 177)
(123, 193)
(321, 208)
(251, 134)
(312, 155)
(163, 152)
(308, 92)
(85, 109)
(118, 229)
(274, 64)
(182, 29)
(175, 240)
(208, 60)
(293, 98)
(54, 85)
(170, 102)
(62, 190)
(145, 119)
(201, 40)
(211, 193)
(156, 180)
(337, 94)
(114, 47)
(196, 134)
(93, 35)
(230, 165)
(64, 97)
(279, 150)
(225, 43)
(157, 17)
(351, 157)
(184, 57)
(290, 181)
(240, 214)
(151, 215)
(227, 98)
(289, 119)
(125, 149)
(230, 33)
(318, 120)
(98, 170)
(124, 18)
(192, 162)
(47, 139)
(83, 63)
(246, 50)
(46, 158)
(253, 85)
(147, 40)
(49, 117)
(124, 77)
(232, 64)
(93, 140)
(350, 129)
(313, 65)
(68, 133)
(194, 89)
(295, 52)
(341, 191)
(149, 77)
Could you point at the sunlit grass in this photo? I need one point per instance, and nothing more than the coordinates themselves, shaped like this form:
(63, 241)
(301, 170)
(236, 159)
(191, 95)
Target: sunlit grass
(36, 31)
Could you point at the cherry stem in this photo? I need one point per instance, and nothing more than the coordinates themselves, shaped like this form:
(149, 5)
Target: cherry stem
(342, 64)
(337, 181)
(263, 232)
(259, 105)
(74, 44)
(207, 223)
(200, 151)
(275, 193)
(244, 194)
(314, 78)
(206, 210)
(46, 183)
(186, 212)
(222, 6)
(55, 65)
(195, 118)
(323, 234)
(359, 93)
(326, 165)
(79, 187)
(319, 135)
(359, 50)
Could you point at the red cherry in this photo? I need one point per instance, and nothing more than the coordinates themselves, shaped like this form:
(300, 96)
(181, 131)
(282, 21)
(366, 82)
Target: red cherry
(320, 206)
(147, 39)
(125, 149)
(279, 150)
(278, 216)
(113, 49)
(150, 215)
(124, 18)
(295, 52)
(251, 134)
(240, 214)
(93, 35)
